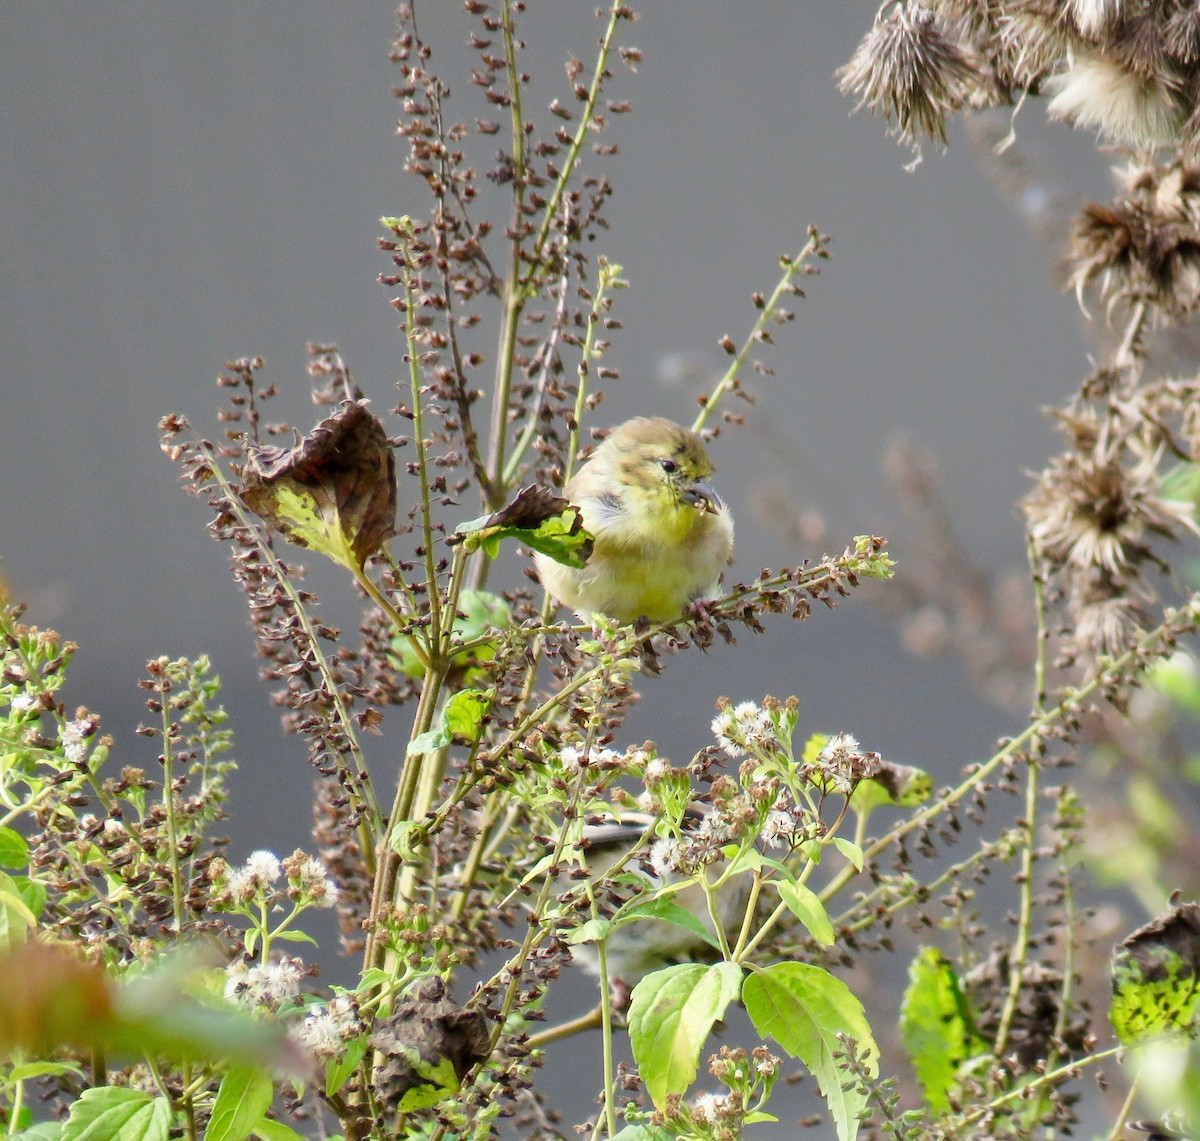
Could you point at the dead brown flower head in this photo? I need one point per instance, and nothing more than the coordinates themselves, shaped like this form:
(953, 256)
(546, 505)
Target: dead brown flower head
(908, 69)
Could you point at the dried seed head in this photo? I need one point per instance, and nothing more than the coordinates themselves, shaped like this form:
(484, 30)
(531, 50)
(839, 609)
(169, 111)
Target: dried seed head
(908, 69)
(1125, 106)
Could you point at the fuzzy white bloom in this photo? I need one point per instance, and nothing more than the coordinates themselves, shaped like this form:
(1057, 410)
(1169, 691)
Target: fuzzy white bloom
(778, 829)
(666, 855)
(257, 874)
(572, 759)
(647, 802)
(326, 1029)
(308, 874)
(706, 1107)
(723, 729)
(1094, 92)
(753, 723)
(23, 702)
(712, 829)
(658, 769)
(269, 984)
(838, 748)
(74, 740)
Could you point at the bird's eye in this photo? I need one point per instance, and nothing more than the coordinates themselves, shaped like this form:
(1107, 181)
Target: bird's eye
(669, 466)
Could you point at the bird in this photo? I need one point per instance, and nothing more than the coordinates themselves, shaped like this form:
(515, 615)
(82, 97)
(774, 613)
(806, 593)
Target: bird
(637, 947)
(662, 536)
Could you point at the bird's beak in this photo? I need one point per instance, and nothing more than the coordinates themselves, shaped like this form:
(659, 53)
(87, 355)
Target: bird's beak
(703, 497)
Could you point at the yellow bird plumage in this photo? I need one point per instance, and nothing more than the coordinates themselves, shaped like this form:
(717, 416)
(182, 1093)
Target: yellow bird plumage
(662, 534)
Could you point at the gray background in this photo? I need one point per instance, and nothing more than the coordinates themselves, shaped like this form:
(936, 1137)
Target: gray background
(183, 183)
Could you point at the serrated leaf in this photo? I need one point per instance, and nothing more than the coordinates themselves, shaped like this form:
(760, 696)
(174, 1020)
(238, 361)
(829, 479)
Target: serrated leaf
(666, 910)
(804, 1008)
(937, 1026)
(671, 1013)
(805, 905)
(243, 1099)
(14, 850)
(115, 1113)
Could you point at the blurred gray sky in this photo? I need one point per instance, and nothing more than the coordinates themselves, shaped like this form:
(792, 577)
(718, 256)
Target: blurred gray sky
(183, 183)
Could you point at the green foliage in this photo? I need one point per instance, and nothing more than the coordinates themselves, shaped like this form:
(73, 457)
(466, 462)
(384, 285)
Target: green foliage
(937, 1026)
(110, 1113)
(810, 1013)
(671, 1014)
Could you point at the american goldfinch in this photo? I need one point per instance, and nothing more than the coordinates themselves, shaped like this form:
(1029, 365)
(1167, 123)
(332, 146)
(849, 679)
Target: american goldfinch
(662, 534)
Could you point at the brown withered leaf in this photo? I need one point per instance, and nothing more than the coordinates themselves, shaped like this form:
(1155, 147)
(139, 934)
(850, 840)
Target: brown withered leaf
(429, 1045)
(537, 517)
(334, 491)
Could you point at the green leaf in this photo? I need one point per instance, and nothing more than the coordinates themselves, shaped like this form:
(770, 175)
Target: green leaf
(14, 851)
(804, 1008)
(439, 1078)
(937, 1026)
(42, 1131)
(338, 1070)
(1156, 977)
(428, 742)
(850, 850)
(536, 517)
(478, 612)
(666, 910)
(27, 1070)
(670, 1015)
(591, 931)
(899, 786)
(115, 1113)
(290, 936)
(32, 893)
(751, 859)
(643, 1133)
(461, 718)
(270, 1130)
(16, 920)
(805, 905)
(463, 715)
(242, 1101)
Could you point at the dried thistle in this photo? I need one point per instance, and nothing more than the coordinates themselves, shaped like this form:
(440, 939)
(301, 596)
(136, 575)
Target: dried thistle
(908, 69)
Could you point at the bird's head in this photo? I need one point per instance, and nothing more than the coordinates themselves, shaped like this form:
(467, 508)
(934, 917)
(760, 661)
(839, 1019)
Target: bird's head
(661, 464)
